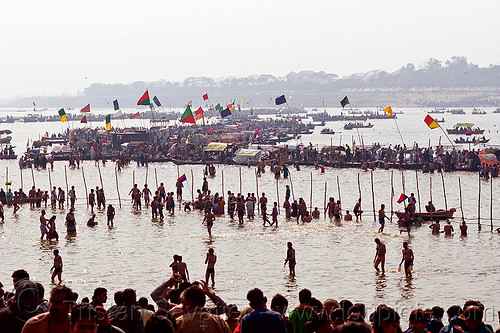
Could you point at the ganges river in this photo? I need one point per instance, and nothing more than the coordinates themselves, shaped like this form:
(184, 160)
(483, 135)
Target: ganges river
(333, 260)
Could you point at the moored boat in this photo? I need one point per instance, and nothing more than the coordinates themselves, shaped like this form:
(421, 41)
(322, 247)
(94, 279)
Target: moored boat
(437, 215)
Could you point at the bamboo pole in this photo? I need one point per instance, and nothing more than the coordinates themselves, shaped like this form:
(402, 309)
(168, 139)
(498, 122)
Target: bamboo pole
(418, 193)
(156, 179)
(311, 195)
(444, 192)
(85, 185)
(67, 187)
(359, 187)
(392, 193)
(430, 188)
(21, 173)
(324, 202)
(479, 204)
(147, 172)
(241, 192)
(6, 174)
(133, 178)
(117, 188)
(50, 180)
(403, 181)
(33, 176)
(460, 191)
(277, 194)
(291, 185)
(222, 183)
(491, 203)
(100, 176)
(192, 186)
(373, 198)
(257, 185)
(338, 188)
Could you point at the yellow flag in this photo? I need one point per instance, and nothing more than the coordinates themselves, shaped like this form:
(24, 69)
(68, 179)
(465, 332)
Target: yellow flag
(388, 110)
(241, 101)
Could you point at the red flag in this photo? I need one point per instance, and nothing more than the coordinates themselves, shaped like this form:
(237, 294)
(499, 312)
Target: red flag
(199, 111)
(135, 115)
(84, 120)
(205, 97)
(144, 100)
(86, 108)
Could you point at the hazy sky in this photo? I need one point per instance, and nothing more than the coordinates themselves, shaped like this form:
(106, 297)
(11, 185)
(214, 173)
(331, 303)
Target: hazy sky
(55, 47)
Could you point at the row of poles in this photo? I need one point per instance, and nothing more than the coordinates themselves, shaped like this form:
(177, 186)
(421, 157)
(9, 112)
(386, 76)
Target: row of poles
(292, 189)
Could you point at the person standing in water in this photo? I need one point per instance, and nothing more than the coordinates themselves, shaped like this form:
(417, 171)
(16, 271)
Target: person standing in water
(290, 258)
(379, 256)
(43, 225)
(57, 267)
(111, 215)
(381, 218)
(407, 259)
(210, 261)
(209, 218)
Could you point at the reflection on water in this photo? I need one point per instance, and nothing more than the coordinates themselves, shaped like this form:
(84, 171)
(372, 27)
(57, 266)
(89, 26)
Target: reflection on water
(291, 284)
(406, 288)
(380, 285)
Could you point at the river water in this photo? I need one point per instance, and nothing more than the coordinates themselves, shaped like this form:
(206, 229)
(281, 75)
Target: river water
(333, 261)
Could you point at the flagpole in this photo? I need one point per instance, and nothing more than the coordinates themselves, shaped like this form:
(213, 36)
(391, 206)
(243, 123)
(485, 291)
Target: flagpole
(400, 135)
(446, 134)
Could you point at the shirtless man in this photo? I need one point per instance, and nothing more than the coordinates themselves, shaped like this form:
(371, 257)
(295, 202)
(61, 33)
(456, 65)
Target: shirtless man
(179, 187)
(263, 208)
(170, 203)
(448, 228)
(435, 227)
(463, 229)
(58, 266)
(72, 197)
(43, 225)
(161, 190)
(407, 259)
(336, 211)
(381, 219)
(357, 209)
(330, 207)
(347, 216)
(210, 261)
(182, 268)
(209, 218)
(111, 215)
(379, 256)
(91, 200)
(137, 199)
(240, 209)
(146, 193)
(290, 258)
(132, 193)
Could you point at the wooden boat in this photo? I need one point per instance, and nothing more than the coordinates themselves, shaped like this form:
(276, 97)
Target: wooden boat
(456, 111)
(440, 120)
(350, 126)
(478, 111)
(327, 131)
(473, 141)
(437, 215)
(464, 128)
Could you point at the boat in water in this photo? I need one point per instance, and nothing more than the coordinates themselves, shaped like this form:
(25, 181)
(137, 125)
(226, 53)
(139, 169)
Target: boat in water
(478, 111)
(464, 128)
(473, 140)
(350, 126)
(327, 131)
(438, 110)
(437, 215)
(456, 111)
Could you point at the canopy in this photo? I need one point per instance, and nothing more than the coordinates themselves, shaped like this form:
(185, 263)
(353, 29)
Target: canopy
(216, 147)
(463, 125)
(490, 159)
(248, 152)
(61, 149)
(328, 149)
(38, 144)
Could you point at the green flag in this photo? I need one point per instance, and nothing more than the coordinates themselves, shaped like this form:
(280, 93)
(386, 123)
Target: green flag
(218, 107)
(62, 114)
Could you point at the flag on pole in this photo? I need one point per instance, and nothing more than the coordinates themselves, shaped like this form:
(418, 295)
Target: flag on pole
(28, 143)
(344, 101)
(84, 120)
(241, 101)
(388, 110)
(402, 198)
(205, 97)
(86, 108)
(62, 114)
(108, 123)
(115, 105)
(187, 116)
(280, 100)
(431, 122)
(218, 107)
(144, 100)
(199, 113)
(135, 115)
(182, 178)
(225, 113)
(157, 101)
(468, 133)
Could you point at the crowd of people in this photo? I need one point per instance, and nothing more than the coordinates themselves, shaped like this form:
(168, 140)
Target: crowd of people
(181, 306)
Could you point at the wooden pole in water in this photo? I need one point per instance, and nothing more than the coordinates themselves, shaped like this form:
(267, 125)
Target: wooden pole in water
(100, 176)
(156, 179)
(6, 174)
(324, 202)
(338, 188)
(192, 185)
(418, 193)
(491, 203)
(277, 193)
(241, 192)
(403, 181)
(85, 185)
(392, 193)
(257, 185)
(147, 172)
(359, 187)
(291, 185)
(133, 178)
(67, 187)
(50, 180)
(311, 195)
(117, 189)
(222, 183)
(430, 187)
(32, 176)
(479, 204)
(460, 191)
(21, 173)
(444, 192)
(373, 198)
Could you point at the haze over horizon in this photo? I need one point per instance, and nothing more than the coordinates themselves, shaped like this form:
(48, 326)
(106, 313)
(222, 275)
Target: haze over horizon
(57, 47)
